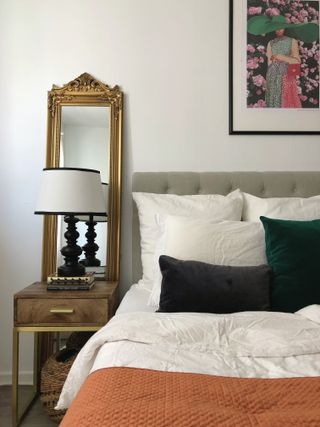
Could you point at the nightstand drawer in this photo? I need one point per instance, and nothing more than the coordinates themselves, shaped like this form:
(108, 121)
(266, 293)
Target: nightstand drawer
(60, 311)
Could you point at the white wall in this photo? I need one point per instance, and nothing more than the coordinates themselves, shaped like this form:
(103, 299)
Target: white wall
(170, 58)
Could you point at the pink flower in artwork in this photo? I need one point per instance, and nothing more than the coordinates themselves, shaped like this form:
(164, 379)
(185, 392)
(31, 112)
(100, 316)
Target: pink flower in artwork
(258, 80)
(250, 48)
(308, 87)
(260, 104)
(312, 11)
(252, 64)
(294, 20)
(259, 92)
(303, 98)
(254, 10)
(273, 11)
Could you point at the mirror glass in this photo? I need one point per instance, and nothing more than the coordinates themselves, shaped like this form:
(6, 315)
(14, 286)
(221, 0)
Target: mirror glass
(85, 143)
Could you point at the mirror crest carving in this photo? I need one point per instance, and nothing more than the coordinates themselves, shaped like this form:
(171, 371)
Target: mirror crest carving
(84, 85)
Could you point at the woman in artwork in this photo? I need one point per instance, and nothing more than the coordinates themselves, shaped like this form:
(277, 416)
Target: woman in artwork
(283, 57)
(281, 84)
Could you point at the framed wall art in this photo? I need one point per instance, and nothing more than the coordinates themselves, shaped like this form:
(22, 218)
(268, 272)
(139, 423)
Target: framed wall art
(274, 56)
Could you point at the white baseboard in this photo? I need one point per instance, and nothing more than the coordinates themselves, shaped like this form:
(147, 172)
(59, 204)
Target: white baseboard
(25, 378)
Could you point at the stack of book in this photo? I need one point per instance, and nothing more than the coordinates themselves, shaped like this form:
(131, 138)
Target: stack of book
(81, 283)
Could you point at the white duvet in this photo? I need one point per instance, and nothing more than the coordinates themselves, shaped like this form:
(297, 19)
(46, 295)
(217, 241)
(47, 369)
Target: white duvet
(248, 344)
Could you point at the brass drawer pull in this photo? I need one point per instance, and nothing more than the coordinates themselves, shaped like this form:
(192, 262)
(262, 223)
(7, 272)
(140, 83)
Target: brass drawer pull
(62, 310)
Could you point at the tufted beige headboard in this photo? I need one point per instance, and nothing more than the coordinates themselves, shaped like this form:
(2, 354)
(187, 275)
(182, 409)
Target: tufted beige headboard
(262, 184)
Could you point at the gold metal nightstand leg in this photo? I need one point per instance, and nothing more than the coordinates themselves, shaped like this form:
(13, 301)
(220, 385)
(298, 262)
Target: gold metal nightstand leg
(15, 376)
(36, 363)
(16, 414)
(39, 332)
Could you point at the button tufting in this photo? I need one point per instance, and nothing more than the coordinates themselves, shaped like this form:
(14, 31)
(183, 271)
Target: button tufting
(263, 190)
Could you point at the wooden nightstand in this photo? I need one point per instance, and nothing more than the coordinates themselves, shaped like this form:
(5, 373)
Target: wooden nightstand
(38, 310)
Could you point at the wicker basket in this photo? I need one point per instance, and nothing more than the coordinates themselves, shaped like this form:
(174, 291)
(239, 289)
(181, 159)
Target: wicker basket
(55, 371)
(53, 376)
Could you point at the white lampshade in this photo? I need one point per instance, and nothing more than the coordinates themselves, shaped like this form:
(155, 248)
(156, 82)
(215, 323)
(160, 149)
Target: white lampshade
(66, 191)
(105, 190)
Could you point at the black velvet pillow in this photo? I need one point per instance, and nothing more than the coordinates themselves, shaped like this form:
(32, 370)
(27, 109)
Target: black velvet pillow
(199, 287)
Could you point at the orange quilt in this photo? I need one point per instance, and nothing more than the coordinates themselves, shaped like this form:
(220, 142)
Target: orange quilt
(127, 397)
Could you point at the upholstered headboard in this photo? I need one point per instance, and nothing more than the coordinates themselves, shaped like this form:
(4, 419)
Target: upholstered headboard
(262, 184)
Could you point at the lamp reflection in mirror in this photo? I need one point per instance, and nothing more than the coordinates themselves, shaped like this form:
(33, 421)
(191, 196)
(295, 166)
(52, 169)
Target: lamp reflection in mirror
(91, 248)
(71, 192)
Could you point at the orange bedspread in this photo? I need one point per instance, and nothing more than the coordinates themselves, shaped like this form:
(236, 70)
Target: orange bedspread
(126, 397)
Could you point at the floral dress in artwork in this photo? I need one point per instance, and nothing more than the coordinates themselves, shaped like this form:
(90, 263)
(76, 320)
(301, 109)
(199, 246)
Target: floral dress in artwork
(281, 89)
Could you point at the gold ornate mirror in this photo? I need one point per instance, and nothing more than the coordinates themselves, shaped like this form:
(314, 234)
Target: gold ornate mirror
(84, 131)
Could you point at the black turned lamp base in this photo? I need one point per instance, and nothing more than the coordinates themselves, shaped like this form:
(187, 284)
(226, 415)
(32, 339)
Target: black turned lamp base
(71, 271)
(71, 252)
(95, 262)
(90, 248)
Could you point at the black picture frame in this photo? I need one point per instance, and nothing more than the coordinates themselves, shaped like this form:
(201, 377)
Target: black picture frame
(232, 130)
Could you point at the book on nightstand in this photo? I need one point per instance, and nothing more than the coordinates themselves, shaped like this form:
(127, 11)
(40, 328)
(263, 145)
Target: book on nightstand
(52, 287)
(57, 283)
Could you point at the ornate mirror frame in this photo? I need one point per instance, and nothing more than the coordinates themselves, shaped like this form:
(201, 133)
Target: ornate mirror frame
(85, 90)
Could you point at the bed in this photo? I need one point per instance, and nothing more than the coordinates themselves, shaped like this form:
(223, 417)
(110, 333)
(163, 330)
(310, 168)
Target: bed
(196, 369)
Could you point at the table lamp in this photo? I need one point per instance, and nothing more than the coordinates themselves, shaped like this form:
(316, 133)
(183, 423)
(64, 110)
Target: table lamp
(71, 192)
(91, 248)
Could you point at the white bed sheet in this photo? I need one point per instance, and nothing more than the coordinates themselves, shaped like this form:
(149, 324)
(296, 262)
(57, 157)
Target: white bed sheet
(136, 299)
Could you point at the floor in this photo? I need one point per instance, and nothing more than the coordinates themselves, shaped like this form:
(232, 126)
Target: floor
(36, 417)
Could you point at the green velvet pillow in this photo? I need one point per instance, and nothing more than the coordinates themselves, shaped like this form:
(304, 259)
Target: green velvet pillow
(293, 252)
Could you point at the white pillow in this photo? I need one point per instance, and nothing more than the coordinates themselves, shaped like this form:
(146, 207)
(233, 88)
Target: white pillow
(294, 208)
(198, 206)
(232, 243)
